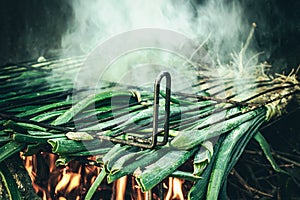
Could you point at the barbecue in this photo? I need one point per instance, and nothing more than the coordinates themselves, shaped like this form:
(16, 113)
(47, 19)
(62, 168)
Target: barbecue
(147, 133)
(66, 135)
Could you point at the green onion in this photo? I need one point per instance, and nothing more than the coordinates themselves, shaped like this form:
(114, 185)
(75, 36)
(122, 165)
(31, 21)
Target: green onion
(267, 151)
(10, 149)
(9, 183)
(165, 165)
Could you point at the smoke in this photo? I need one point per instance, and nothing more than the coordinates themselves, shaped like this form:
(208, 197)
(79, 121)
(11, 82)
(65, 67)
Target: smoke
(221, 25)
(97, 20)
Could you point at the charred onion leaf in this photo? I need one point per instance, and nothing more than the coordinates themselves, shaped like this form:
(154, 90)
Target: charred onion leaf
(79, 136)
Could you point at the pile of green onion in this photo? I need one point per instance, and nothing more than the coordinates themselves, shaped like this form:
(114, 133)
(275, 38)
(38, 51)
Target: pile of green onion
(209, 131)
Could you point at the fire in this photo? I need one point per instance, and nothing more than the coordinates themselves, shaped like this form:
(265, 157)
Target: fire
(68, 182)
(52, 182)
(120, 185)
(73, 181)
(175, 189)
(30, 165)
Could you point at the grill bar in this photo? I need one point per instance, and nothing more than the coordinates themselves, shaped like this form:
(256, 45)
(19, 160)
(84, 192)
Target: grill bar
(146, 143)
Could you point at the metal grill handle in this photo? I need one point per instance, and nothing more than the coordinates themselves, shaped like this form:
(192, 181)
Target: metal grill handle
(156, 109)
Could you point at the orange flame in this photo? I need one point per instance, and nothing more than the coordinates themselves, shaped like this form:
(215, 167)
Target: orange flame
(30, 167)
(74, 180)
(68, 182)
(120, 186)
(175, 189)
(61, 182)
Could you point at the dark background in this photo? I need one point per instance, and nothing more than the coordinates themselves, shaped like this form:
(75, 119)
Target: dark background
(278, 30)
(33, 28)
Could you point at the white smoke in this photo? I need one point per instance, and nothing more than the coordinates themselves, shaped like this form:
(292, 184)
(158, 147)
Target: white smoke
(97, 20)
(221, 25)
